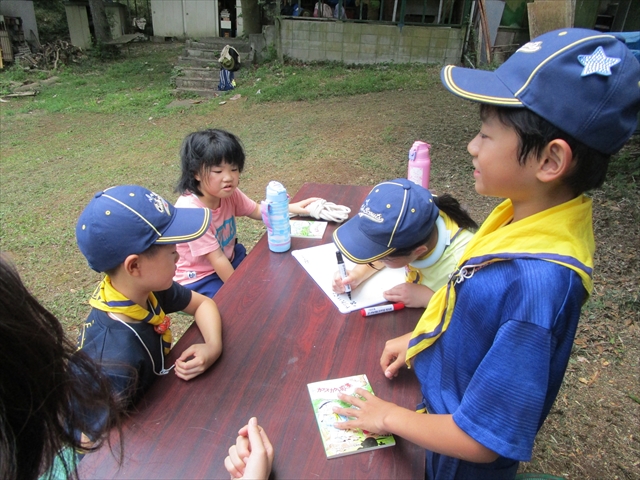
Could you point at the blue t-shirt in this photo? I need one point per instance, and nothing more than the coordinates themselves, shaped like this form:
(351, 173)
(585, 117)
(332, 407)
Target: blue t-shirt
(131, 363)
(498, 367)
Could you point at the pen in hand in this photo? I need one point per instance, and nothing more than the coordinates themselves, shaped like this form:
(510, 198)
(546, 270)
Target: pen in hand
(343, 273)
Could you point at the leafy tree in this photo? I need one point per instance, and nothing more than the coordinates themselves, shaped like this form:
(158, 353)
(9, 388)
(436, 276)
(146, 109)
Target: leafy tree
(52, 20)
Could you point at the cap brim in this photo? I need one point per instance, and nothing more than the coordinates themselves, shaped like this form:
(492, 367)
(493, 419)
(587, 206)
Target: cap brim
(356, 246)
(478, 85)
(188, 224)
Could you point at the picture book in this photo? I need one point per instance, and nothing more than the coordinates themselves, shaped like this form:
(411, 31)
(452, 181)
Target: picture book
(336, 442)
(320, 262)
(307, 228)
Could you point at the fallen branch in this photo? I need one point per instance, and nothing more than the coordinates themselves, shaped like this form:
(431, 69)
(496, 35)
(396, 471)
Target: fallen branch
(30, 93)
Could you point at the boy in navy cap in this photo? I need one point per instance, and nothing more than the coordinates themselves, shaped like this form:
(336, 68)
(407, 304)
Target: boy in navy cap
(552, 115)
(401, 224)
(130, 233)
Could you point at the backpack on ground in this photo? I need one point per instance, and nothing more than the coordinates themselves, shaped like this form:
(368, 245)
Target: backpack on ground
(229, 59)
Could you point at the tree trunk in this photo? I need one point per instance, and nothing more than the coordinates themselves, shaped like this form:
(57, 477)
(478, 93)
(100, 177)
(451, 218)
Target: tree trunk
(252, 23)
(100, 24)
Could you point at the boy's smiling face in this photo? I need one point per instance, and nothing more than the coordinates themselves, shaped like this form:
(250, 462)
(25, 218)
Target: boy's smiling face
(495, 159)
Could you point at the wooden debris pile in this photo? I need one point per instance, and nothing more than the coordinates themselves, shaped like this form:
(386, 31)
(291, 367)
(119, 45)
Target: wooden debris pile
(51, 55)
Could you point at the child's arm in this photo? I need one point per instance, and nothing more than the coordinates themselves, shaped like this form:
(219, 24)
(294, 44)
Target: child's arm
(298, 208)
(220, 264)
(438, 433)
(199, 357)
(354, 277)
(411, 294)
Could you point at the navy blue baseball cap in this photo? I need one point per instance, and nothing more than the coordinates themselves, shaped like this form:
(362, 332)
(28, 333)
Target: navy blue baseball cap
(128, 219)
(584, 82)
(395, 215)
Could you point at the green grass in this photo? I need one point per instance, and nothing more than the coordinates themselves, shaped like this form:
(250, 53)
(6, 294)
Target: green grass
(140, 83)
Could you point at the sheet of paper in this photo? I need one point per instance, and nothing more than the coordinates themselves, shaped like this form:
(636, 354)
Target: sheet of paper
(320, 262)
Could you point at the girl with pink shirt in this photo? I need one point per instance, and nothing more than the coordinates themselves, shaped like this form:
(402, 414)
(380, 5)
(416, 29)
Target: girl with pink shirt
(211, 162)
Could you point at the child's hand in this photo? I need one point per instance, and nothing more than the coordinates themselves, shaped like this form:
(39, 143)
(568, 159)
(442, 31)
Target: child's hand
(195, 360)
(252, 455)
(411, 294)
(338, 282)
(369, 413)
(354, 278)
(300, 208)
(394, 355)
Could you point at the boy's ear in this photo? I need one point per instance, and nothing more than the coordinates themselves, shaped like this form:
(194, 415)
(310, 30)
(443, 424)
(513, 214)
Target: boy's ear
(131, 265)
(556, 161)
(421, 250)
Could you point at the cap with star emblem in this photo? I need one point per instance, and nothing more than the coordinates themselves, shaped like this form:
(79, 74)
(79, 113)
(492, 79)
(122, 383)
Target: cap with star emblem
(584, 82)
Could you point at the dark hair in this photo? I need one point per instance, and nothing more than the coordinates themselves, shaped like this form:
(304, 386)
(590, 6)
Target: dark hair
(203, 150)
(43, 381)
(452, 208)
(535, 133)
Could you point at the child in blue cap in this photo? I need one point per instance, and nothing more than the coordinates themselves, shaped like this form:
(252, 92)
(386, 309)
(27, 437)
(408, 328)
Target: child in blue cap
(492, 347)
(130, 233)
(401, 224)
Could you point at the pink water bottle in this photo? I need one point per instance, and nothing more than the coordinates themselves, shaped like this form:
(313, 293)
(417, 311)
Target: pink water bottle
(419, 163)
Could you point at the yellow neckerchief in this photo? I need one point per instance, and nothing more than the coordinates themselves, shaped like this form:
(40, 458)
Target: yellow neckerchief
(562, 234)
(108, 299)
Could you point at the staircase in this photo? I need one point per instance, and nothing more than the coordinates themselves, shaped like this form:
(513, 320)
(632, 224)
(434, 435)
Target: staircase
(199, 67)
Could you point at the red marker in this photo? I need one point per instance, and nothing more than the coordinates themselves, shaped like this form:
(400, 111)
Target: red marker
(367, 312)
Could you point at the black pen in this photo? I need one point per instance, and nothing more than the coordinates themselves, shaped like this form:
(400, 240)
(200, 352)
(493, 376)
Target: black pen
(343, 273)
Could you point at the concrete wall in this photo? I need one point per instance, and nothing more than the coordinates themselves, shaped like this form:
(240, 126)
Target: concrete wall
(357, 43)
(23, 9)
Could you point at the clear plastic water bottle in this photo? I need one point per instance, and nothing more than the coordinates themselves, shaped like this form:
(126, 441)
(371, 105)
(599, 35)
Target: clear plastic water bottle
(275, 214)
(419, 163)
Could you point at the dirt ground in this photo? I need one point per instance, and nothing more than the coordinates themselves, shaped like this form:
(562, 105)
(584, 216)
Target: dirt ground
(593, 431)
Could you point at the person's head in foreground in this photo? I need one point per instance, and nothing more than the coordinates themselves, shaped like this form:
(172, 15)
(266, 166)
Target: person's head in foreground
(398, 223)
(131, 227)
(570, 96)
(43, 381)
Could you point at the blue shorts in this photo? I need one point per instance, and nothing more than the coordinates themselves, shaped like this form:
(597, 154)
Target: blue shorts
(209, 285)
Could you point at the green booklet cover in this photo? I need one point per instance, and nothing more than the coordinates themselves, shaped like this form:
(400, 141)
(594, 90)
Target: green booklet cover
(336, 442)
(307, 228)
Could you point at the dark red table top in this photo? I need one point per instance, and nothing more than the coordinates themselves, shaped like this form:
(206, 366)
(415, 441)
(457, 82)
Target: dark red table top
(280, 332)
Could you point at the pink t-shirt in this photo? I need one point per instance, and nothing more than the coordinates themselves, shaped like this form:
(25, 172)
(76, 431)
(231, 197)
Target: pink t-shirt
(193, 264)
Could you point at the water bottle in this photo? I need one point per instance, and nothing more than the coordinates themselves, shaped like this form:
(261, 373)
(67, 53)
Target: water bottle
(419, 163)
(275, 214)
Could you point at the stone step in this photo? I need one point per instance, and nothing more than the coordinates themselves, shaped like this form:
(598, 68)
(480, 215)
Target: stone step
(207, 93)
(200, 62)
(212, 54)
(200, 50)
(198, 83)
(211, 72)
(218, 43)
(194, 72)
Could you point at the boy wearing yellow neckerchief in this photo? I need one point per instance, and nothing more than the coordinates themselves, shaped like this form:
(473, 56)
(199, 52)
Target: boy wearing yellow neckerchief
(492, 347)
(130, 234)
